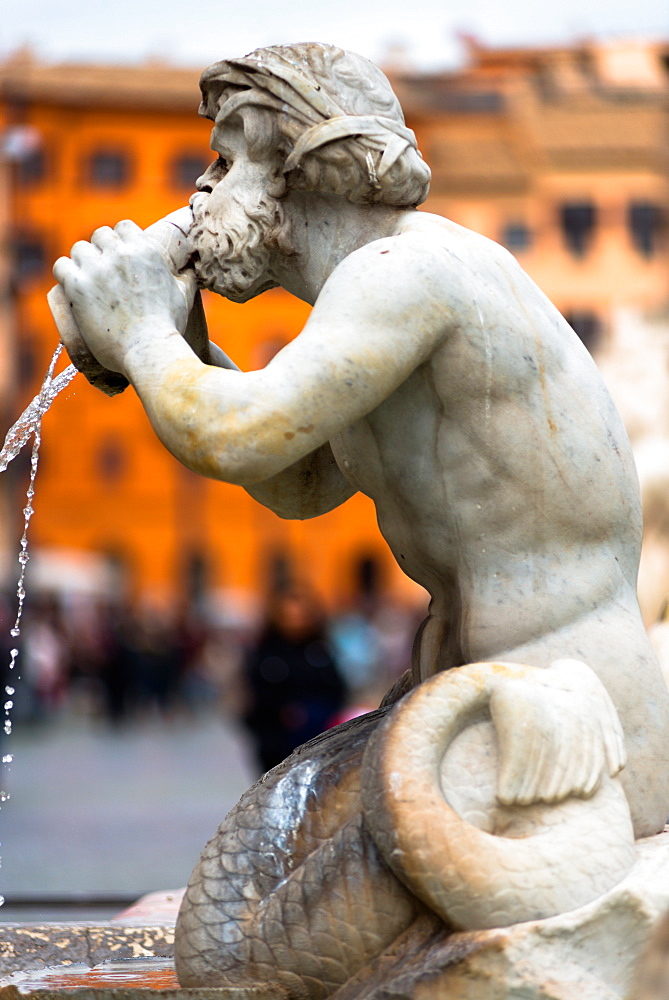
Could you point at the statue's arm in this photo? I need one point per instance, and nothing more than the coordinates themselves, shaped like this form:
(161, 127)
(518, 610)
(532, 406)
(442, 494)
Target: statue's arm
(309, 487)
(379, 316)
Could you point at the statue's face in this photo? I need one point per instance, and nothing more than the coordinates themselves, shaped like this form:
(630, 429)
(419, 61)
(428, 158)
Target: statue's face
(233, 216)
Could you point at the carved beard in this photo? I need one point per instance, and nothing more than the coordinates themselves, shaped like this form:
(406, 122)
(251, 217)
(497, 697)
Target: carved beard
(234, 251)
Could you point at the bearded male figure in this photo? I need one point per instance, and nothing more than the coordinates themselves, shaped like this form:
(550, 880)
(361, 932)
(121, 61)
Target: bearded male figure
(435, 377)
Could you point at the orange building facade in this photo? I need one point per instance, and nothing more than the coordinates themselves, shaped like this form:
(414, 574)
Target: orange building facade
(561, 155)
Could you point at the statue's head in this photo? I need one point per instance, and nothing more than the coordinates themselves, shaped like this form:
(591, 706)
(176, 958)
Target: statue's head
(332, 117)
(293, 118)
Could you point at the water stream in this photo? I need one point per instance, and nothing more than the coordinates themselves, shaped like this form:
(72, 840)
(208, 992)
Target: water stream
(29, 423)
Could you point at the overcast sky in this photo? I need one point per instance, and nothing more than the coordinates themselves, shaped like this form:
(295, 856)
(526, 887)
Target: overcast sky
(202, 31)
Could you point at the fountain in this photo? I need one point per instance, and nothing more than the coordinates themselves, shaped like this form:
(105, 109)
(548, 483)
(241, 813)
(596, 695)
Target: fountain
(496, 828)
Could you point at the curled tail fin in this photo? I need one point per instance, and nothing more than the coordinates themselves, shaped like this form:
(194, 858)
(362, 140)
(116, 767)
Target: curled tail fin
(569, 841)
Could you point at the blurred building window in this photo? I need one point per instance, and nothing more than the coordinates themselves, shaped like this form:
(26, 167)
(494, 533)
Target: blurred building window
(29, 257)
(27, 359)
(111, 459)
(645, 221)
(108, 168)
(185, 169)
(516, 236)
(587, 325)
(577, 220)
(31, 169)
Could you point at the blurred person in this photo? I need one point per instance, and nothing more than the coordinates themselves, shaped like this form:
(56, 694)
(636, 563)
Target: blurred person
(194, 692)
(45, 658)
(214, 678)
(372, 640)
(295, 688)
(396, 625)
(115, 665)
(87, 629)
(357, 645)
(151, 646)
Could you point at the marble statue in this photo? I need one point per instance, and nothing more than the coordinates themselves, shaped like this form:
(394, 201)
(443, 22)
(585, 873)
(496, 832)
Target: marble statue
(504, 781)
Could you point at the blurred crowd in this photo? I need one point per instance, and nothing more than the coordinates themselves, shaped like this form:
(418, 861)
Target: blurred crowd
(286, 677)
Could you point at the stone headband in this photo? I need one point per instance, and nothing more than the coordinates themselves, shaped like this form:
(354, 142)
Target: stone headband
(274, 83)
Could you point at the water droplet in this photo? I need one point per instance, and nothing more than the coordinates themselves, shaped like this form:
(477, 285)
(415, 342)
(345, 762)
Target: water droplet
(5, 796)
(8, 758)
(9, 705)
(15, 632)
(7, 727)
(9, 690)
(2, 900)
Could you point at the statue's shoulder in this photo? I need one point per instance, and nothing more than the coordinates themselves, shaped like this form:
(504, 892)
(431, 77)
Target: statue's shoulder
(422, 244)
(423, 235)
(426, 263)
(465, 245)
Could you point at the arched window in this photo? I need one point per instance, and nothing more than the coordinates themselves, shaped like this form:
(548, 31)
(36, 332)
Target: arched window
(577, 219)
(645, 221)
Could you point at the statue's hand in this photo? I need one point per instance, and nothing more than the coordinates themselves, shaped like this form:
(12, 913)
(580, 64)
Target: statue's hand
(558, 734)
(121, 292)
